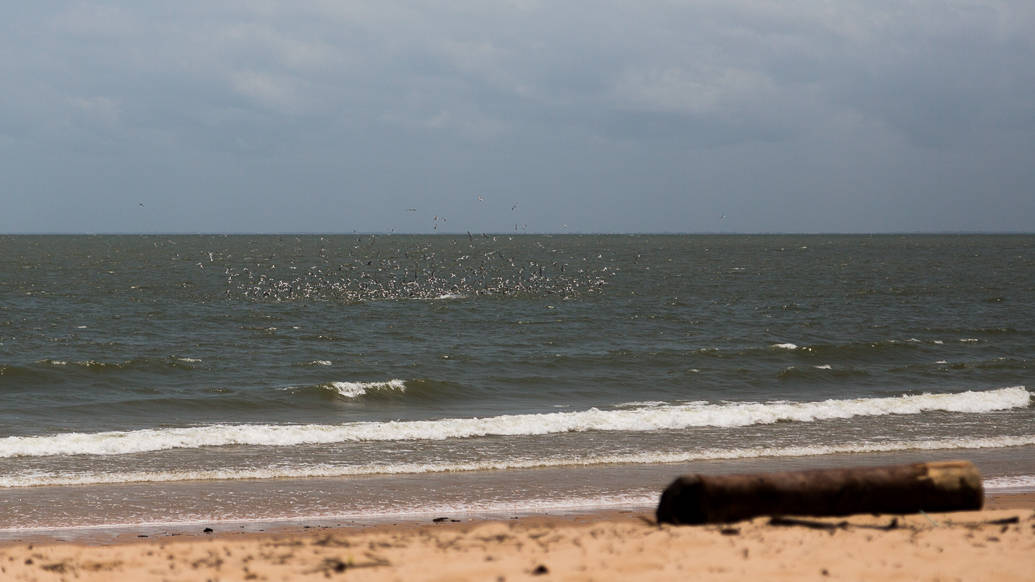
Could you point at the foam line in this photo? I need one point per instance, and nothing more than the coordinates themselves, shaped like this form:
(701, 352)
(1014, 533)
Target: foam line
(640, 419)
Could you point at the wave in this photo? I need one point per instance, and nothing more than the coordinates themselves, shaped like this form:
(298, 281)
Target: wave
(326, 470)
(1014, 482)
(156, 364)
(49, 371)
(999, 363)
(642, 419)
(968, 332)
(20, 373)
(819, 372)
(134, 364)
(848, 351)
(414, 389)
(357, 389)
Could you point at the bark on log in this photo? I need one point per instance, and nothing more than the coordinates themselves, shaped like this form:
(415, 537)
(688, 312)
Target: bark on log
(931, 487)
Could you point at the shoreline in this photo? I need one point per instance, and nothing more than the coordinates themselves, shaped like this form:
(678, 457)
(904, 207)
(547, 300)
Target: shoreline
(105, 534)
(994, 543)
(100, 512)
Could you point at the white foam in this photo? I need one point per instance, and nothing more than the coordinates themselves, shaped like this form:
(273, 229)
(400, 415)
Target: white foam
(320, 363)
(325, 470)
(642, 419)
(642, 404)
(1025, 482)
(822, 367)
(357, 389)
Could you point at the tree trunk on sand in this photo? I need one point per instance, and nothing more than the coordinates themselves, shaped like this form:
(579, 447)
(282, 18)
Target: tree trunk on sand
(931, 487)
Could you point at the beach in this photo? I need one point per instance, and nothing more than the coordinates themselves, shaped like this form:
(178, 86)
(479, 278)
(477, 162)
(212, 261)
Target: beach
(993, 544)
(318, 402)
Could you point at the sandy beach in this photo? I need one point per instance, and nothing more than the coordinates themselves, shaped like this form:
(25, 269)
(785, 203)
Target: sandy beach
(994, 544)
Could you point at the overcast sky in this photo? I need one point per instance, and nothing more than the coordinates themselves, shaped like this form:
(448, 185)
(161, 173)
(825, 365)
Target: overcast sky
(527, 115)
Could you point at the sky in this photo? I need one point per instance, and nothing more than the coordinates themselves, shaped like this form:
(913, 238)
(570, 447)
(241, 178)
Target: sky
(559, 116)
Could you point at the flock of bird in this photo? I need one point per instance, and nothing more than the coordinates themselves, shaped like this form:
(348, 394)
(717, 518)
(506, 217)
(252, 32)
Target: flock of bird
(371, 272)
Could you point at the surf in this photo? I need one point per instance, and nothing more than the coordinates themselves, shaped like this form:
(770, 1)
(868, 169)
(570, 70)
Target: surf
(627, 419)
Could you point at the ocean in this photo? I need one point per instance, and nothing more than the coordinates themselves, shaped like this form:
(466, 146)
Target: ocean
(247, 380)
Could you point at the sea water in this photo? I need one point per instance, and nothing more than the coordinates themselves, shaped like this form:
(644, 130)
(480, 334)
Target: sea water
(185, 379)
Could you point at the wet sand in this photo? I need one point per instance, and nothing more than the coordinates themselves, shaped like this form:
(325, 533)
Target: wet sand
(995, 544)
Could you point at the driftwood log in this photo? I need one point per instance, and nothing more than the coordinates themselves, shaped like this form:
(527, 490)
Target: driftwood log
(938, 486)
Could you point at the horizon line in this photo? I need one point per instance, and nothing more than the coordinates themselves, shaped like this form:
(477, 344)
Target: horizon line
(542, 233)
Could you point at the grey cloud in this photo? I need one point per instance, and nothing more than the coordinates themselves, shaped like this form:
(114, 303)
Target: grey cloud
(645, 111)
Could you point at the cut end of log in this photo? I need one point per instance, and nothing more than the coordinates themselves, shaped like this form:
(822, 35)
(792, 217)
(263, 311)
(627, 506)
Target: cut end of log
(954, 476)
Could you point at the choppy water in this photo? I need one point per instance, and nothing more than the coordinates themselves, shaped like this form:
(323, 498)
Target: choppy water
(136, 369)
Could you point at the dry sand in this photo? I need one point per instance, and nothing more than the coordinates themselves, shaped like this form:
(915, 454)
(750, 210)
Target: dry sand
(996, 544)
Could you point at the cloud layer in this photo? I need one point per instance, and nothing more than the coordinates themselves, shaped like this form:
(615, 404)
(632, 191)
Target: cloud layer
(325, 116)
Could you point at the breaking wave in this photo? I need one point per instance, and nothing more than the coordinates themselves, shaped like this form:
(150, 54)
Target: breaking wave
(639, 419)
(357, 389)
